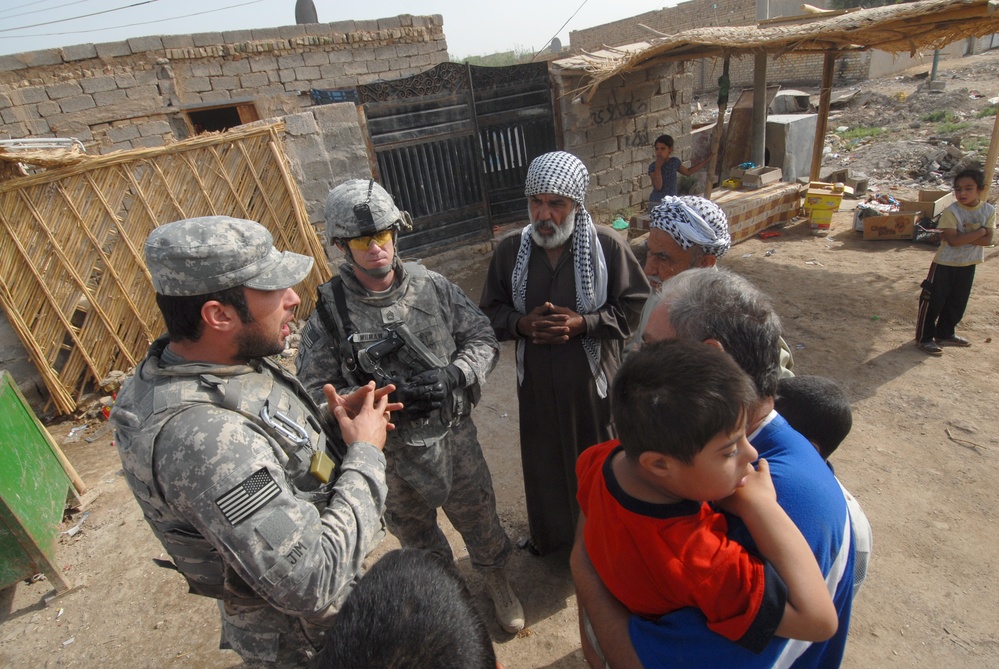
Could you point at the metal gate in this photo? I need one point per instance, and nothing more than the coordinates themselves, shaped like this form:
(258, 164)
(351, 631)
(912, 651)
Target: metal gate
(452, 146)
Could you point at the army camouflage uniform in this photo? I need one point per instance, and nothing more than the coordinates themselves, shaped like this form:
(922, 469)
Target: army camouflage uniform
(436, 462)
(218, 457)
(184, 454)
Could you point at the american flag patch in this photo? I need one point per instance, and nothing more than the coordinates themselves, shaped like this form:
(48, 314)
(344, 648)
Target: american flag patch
(248, 497)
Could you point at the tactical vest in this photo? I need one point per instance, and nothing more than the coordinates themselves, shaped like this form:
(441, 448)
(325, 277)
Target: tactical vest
(268, 397)
(417, 306)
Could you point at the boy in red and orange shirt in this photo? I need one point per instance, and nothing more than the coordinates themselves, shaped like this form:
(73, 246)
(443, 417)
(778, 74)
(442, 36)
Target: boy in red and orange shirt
(655, 540)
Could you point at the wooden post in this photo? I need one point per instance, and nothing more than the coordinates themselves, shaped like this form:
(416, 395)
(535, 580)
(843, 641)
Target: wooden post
(716, 136)
(758, 144)
(67, 466)
(825, 96)
(990, 159)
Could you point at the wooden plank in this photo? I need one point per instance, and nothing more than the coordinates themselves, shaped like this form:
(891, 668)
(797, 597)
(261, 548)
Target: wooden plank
(825, 97)
(751, 211)
(739, 132)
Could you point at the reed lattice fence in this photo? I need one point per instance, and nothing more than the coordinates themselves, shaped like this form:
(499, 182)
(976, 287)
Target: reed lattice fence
(73, 282)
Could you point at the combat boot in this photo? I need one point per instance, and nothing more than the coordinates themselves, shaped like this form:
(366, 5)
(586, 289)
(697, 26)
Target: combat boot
(509, 612)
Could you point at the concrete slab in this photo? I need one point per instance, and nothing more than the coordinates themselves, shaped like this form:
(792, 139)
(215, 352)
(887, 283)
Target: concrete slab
(789, 143)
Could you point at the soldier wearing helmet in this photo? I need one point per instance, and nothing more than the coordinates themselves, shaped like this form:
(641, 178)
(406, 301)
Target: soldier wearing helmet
(255, 499)
(387, 321)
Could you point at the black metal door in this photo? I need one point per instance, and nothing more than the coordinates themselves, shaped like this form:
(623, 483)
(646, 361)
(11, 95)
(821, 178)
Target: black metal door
(452, 146)
(513, 110)
(423, 135)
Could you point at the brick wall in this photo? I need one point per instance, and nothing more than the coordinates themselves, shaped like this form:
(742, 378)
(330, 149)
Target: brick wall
(684, 16)
(131, 94)
(789, 70)
(325, 147)
(792, 70)
(613, 134)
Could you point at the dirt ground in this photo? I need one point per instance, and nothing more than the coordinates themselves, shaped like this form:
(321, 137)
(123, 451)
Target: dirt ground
(922, 459)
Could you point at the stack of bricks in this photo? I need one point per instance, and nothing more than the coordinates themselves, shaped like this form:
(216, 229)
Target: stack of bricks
(613, 134)
(131, 94)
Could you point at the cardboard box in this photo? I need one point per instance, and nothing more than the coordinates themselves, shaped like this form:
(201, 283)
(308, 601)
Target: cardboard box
(855, 186)
(930, 203)
(821, 196)
(900, 226)
(758, 177)
(736, 172)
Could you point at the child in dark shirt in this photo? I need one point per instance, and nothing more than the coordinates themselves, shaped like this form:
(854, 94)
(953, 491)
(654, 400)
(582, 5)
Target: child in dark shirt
(817, 408)
(664, 168)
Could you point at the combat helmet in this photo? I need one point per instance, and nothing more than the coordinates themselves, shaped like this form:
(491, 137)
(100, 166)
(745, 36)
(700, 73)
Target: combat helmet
(361, 207)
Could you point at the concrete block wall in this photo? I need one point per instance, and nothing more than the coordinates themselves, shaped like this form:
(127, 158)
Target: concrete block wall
(613, 134)
(792, 70)
(133, 93)
(325, 147)
(684, 16)
(789, 70)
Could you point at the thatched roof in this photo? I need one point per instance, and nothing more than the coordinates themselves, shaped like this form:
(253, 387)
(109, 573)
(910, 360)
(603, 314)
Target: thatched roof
(911, 27)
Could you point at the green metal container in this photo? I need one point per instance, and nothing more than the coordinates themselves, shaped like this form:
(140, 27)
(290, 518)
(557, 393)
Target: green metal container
(33, 489)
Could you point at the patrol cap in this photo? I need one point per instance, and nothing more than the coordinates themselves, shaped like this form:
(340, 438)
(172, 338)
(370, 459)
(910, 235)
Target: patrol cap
(207, 254)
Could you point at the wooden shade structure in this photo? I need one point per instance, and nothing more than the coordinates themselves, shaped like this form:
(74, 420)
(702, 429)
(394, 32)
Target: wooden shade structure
(907, 28)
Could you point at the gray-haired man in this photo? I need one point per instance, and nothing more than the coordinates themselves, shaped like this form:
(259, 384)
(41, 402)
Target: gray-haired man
(569, 293)
(724, 310)
(688, 232)
(237, 471)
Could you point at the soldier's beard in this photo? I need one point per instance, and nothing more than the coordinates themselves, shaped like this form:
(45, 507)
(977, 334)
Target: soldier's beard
(560, 235)
(252, 343)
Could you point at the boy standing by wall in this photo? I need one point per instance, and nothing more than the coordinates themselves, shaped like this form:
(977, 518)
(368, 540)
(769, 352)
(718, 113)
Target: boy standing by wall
(664, 168)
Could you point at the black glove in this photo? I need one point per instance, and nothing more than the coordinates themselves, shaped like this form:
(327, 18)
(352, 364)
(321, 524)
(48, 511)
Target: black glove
(428, 390)
(398, 382)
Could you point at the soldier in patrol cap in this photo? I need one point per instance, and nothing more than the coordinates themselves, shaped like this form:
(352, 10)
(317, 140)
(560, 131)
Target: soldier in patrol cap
(387, 321)
(238, 472)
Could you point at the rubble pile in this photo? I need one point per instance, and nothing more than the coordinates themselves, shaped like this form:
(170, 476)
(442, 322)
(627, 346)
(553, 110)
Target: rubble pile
(899, 132)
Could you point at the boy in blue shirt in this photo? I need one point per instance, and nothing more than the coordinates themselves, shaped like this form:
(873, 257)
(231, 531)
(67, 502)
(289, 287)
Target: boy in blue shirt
(664, 168)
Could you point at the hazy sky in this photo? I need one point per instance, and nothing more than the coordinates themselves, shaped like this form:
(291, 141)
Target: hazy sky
(472, 27)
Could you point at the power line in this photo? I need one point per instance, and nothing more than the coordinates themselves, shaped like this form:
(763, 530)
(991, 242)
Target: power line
(39, 11)
(82, 16)
(132, 25)
(558, 31)
(27, 4)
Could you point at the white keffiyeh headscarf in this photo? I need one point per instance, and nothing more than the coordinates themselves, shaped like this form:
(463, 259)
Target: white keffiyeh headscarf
(564, 174)
(693, 220)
